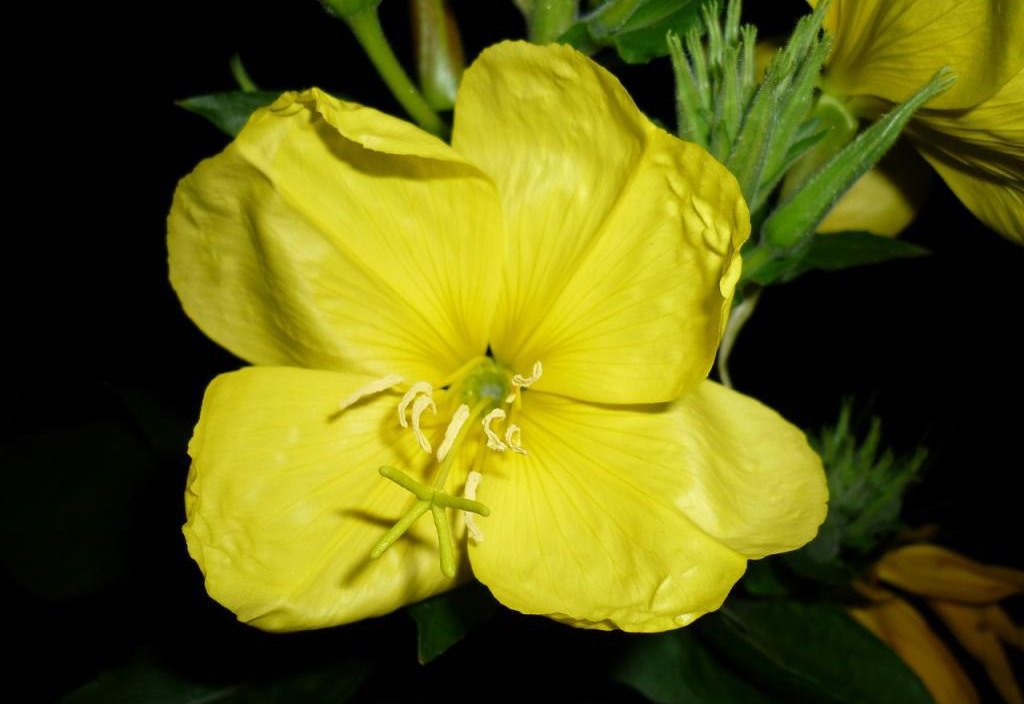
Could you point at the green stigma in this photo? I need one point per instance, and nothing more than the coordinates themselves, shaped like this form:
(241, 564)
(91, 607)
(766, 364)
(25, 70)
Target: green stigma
(428, 498)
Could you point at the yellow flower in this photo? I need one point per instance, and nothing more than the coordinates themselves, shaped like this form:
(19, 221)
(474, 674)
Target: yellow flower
(540, 302)
(973, 134)
(965, 595)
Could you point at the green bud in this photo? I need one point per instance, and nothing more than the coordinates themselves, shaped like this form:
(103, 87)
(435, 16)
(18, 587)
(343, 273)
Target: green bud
(439, 60)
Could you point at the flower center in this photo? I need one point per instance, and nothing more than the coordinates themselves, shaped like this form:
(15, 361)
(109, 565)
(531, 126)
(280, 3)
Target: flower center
(484, 390)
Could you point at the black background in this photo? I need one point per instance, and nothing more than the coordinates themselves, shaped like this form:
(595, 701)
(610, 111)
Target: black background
(97, 146)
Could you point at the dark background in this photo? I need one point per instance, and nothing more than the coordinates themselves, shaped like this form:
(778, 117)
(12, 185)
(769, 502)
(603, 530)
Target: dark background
(108, 369)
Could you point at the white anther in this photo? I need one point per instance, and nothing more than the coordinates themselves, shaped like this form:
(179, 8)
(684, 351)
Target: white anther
(513, 438)
(472, 482)
(420, 388)
(525, 381)
(493, 441)
(421, 404)
(452, 431)
(374, 387)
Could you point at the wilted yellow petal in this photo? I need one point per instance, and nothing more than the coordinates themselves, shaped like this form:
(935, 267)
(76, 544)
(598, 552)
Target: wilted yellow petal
(996, 618)
(885, 199)
(284, 501)
(896, 622)
(933, 571)
(641, 518)
(968, 625)
(890, 48)
(980, 154)
(623, 240)
(329, 235)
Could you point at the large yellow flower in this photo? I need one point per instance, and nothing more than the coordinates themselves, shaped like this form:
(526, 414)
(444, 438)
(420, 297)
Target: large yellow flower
(973, 134)
(540, 301)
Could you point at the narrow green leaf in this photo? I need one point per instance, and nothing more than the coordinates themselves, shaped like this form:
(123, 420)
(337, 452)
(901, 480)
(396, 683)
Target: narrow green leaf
(797, 218)
(73, 501)
(834, 252)
(811, 653)
(147, 682)
(676, 668)
(230, 110)
(444, 620)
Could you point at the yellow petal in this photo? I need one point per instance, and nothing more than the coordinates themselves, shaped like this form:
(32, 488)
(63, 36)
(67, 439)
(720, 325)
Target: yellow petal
(890, 48)
(623, 240)
(968, 625)
(885, 199)
(1000, 205)
(932, 571)
(641, 518)
(898, 624)
(284, 501)
(332, 236)
(980, 154)
(752, 481)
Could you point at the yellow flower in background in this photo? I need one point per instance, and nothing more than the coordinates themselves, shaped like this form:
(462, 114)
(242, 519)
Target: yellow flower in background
(972, 135)
(516, 328)
(965, 595)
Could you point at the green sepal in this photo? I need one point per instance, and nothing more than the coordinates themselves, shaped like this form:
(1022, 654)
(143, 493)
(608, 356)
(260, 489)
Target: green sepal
(831, 252)
(795, 220)
(444, 620)
(810, 653)
(636, 29)
(230, 110)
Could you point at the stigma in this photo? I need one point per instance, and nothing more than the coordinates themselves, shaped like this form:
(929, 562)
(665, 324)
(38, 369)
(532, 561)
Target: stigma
(482, 391)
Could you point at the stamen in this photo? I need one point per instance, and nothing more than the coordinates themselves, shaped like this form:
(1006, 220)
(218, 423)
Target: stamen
(421, 404)
(513, 438)
(374, 387)
(452, 431)
(472, 482)
(525, 381)
(493, 441)
(420, 388)
(520, 382)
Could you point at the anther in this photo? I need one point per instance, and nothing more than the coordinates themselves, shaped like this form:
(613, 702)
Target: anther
(525, 381)
(493, 441)
(421, 404)
(420, 388)
(513, 438)
(472, 483)
(452, 431)
(374, 387)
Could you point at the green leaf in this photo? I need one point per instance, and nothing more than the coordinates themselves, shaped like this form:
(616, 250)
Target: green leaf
(146, 682)
(676, 668)
(73, 500)
(230, 110)
(641, 37)
(833, 252)
(444, 620)
(811, 653)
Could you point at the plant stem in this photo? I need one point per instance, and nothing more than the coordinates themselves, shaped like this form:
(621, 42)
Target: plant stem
(550, 18)
(365, 24)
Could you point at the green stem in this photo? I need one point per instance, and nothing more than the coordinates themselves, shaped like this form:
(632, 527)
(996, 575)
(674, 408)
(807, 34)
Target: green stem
(365, 24)
(549, 19)
(241, 76)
